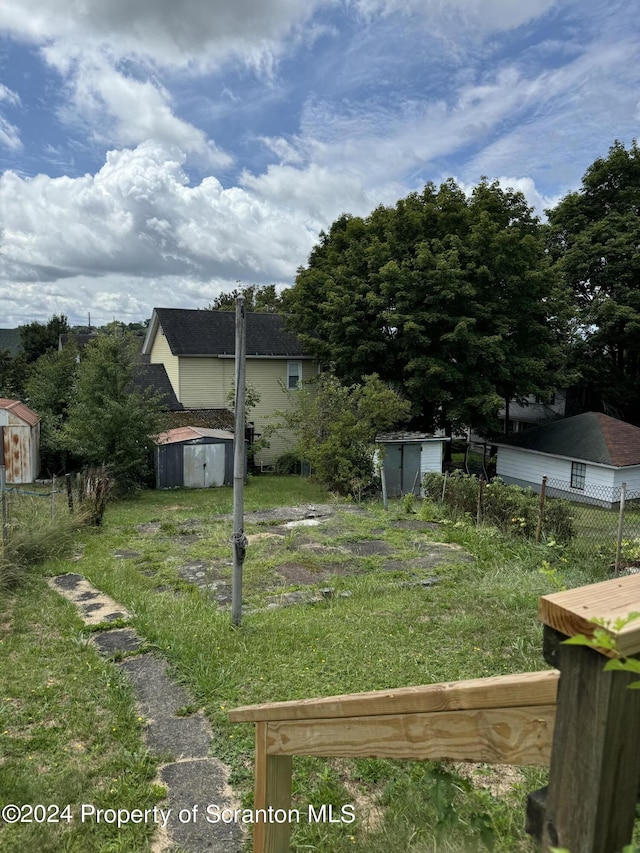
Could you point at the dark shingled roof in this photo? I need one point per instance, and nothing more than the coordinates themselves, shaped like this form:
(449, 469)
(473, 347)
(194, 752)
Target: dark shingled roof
(592, 437)
(10, 339)
(192, 332)
(154, 377)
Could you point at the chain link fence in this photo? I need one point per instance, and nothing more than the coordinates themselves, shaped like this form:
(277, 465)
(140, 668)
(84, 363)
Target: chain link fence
(597, 523)
(606, 520)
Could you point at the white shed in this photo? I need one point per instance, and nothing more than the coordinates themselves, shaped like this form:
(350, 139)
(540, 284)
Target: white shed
(406, 457)
(586, 458)
(20, 441)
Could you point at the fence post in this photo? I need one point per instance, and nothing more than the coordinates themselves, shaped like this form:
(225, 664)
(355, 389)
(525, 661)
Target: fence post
(594, 773)
(479, 507)
(623, 495)
(543, 492)
(3, 493)
(53, 496)
(67, 480)
(444, 486)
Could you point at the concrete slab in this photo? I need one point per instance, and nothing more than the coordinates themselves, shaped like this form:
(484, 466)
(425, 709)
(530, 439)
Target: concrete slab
(160, 698)
(193, 787)
(95, 607)
(117, 640)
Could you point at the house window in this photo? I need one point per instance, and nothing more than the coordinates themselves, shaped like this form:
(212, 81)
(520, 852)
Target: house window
(294, 374)
(578, 475)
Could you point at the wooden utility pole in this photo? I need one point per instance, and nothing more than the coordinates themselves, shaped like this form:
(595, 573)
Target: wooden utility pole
(239, 464)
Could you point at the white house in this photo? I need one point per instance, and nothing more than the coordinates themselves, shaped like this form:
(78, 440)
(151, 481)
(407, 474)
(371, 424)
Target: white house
(407, 457)
(585, 458)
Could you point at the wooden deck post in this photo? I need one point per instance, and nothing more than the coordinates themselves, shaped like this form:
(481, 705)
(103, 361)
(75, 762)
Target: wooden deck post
(272, 791)
(595, 763)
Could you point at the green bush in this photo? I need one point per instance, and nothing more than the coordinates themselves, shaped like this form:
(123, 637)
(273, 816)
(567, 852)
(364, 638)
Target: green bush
(510, 508)
(288, 463)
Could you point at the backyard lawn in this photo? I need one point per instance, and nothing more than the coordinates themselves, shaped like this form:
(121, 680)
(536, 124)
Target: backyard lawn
(413, 600)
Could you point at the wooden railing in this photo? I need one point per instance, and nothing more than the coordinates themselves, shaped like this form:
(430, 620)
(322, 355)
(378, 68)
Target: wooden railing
(504, 720)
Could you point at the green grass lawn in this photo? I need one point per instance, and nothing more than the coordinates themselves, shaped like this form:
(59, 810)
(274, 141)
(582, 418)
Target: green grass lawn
(69, 731)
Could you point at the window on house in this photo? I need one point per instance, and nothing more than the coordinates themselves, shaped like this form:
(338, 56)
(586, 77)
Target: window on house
(294, 374)
(578, 475)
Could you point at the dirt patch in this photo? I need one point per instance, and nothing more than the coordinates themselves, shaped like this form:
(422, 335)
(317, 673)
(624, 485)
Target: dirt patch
(498, 779)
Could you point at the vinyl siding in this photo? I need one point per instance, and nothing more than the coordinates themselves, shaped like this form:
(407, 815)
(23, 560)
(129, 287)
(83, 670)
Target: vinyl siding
(630, 476)
(202, 383)
(269, 377)
(431, 457)
(528, 468)
(161, 354)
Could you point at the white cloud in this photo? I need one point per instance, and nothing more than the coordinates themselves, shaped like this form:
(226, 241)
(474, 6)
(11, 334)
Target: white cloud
(167, 32)
(125, 111)
(454, 17)
(139, 217)
(9, 135)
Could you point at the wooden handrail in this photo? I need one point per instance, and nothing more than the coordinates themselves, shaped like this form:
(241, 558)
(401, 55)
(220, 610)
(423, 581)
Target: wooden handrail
(505, 719)
(502, 691)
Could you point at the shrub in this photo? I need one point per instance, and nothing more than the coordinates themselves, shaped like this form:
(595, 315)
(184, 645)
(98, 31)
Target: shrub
(33, 538)
(510, 508)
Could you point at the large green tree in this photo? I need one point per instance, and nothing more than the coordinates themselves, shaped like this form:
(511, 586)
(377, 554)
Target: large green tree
(594, 237)
(109, 422)
(263, 299)
(448, 296)
(49, 392)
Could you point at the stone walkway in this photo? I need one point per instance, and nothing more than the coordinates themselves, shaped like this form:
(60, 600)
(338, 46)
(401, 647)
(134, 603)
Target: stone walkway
(192, 777)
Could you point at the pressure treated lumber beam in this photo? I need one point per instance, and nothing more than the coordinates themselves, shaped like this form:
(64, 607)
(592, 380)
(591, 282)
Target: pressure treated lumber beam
(526, 690)
(518, 736)
(570, 611)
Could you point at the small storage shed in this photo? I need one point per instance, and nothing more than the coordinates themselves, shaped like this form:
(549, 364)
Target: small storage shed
(194, 457)
(406, 457)
(20, 441)
(586, 458)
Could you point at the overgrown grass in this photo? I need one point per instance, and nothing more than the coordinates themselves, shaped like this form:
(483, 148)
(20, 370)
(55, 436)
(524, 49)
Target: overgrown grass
(35, 534)
(478, 619)
(69, 733)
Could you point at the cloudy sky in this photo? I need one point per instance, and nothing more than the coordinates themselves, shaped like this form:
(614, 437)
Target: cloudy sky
(155, 152)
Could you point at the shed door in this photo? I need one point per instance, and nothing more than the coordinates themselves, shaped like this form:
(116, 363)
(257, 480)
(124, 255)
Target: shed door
(203, 465)
(411, 469)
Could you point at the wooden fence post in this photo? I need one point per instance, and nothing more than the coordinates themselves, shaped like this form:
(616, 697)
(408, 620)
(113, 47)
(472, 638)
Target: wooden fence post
(3, 498)
(67, 479)
(479, 505)
(272, 791)
(543, 492)
(595, 765)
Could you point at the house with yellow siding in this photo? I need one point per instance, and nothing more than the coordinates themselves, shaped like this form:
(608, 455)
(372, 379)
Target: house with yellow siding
(197, 350)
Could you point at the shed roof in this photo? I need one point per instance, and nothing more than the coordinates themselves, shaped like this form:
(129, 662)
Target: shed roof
(408, 437)
(20, 410)
(590, 437)
(189, 433)
(193, 332)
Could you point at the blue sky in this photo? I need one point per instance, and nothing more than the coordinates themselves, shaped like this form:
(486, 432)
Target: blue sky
(155, 153)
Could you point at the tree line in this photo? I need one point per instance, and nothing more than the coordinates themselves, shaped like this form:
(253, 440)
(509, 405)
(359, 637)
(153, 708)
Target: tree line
(465, 302)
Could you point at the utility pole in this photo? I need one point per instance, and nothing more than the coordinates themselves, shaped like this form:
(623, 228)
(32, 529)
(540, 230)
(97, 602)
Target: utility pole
(239, 463)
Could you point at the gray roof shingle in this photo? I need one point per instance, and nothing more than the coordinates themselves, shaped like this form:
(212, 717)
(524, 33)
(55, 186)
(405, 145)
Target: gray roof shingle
(591, 437)
(193, 332)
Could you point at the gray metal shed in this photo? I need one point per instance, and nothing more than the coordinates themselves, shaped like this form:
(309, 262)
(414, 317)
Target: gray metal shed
(407, 457)
(194, 457)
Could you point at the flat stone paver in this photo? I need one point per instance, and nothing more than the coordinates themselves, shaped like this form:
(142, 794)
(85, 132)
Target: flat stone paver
(194, 779)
